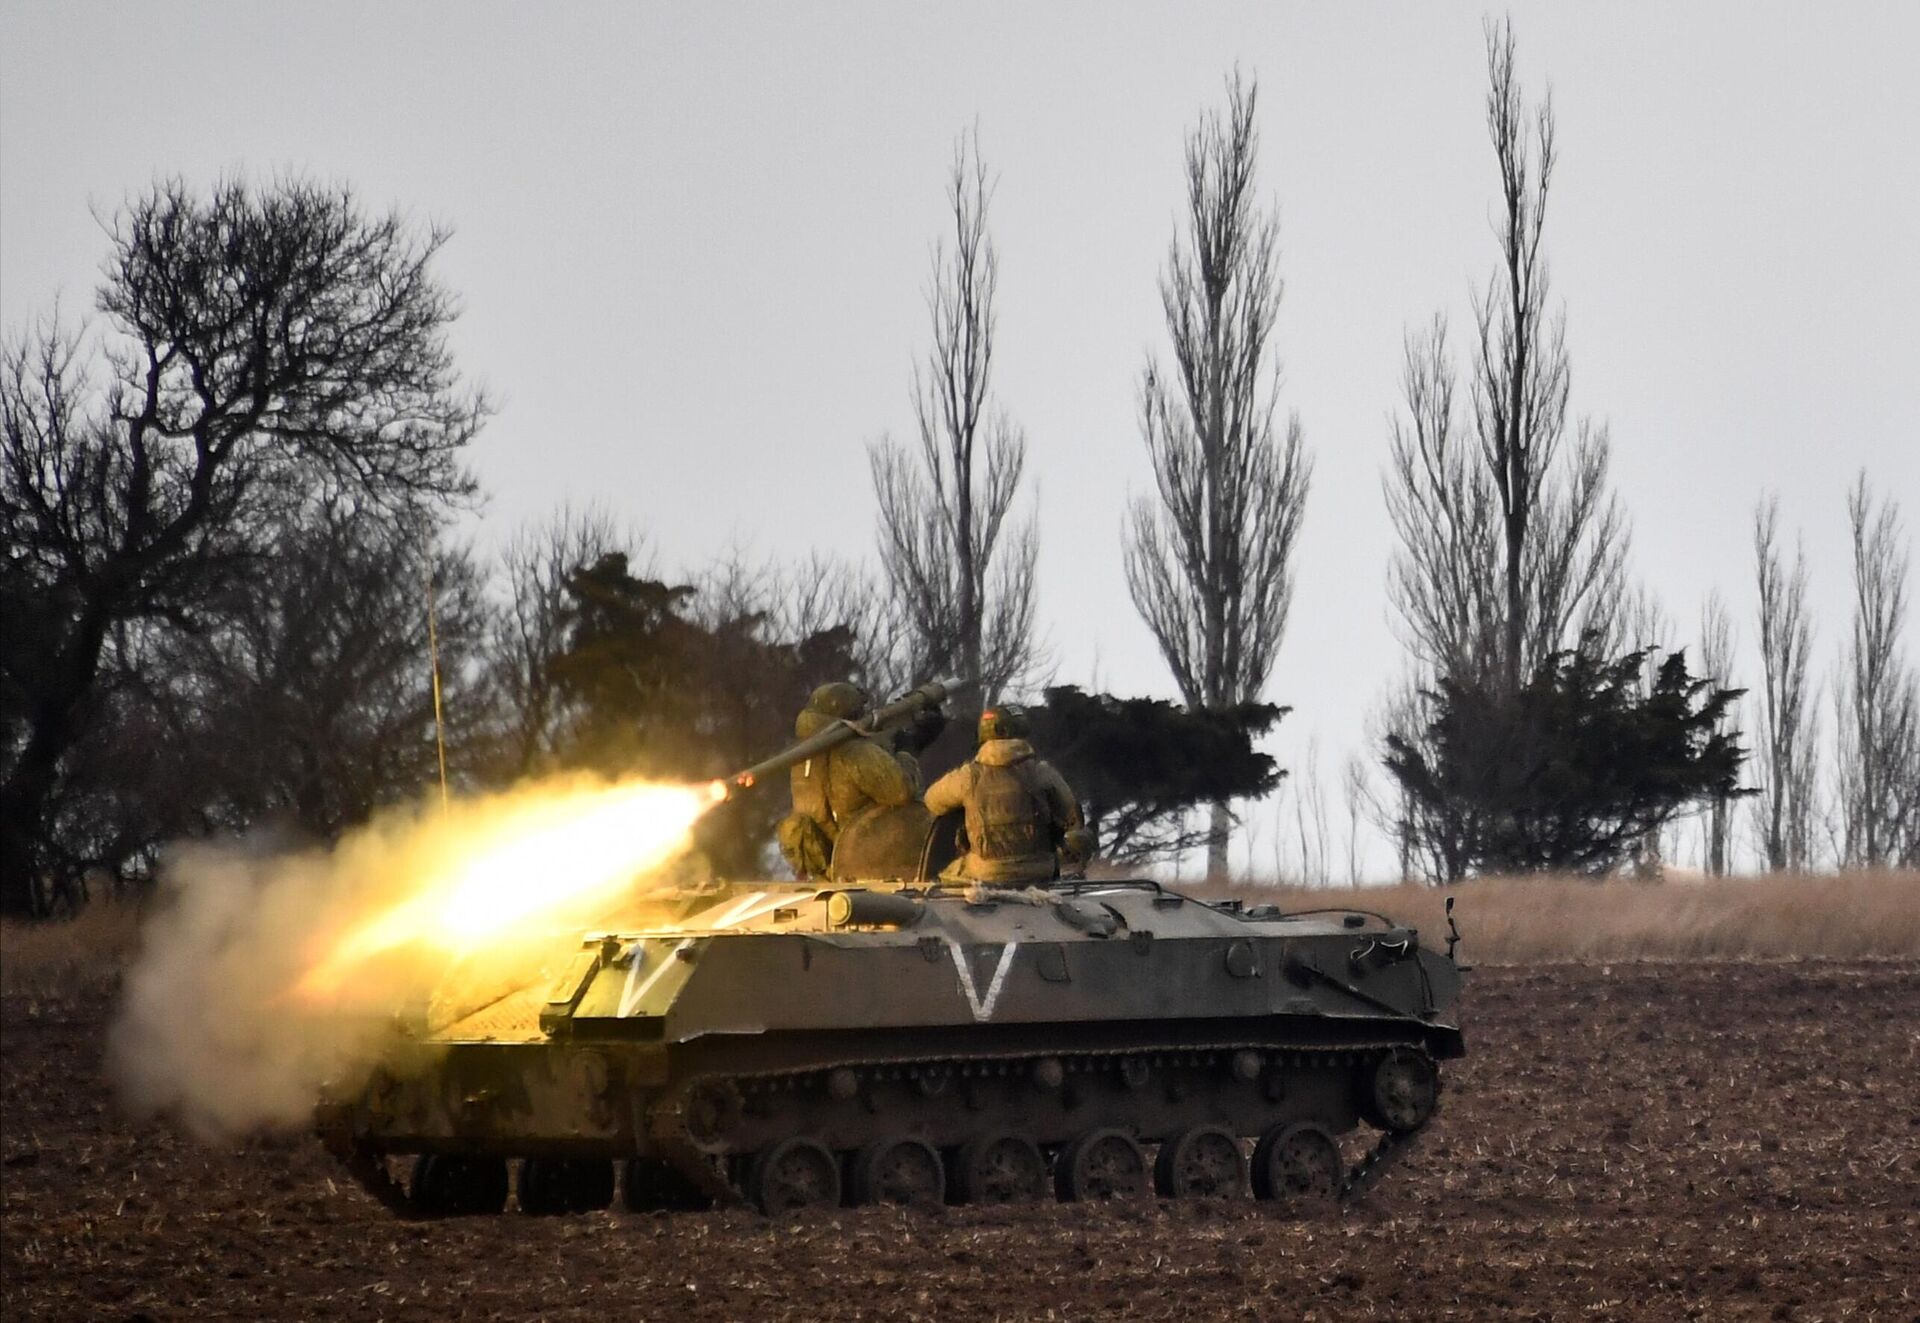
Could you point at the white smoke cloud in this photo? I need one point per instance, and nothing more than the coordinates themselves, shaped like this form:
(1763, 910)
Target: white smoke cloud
(264, 974)
(207, 1031)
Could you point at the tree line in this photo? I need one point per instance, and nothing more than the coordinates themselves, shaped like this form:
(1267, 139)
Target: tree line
(231, 501)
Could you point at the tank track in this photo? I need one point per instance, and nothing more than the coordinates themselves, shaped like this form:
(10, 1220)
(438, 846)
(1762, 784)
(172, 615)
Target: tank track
(369, 1171)
(668, 1119)
(673, 1121)
(1380, 1159)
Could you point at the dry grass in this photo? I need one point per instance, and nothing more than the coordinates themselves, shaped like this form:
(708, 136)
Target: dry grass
(1502, 921)
(1517, 920)
(72, 955)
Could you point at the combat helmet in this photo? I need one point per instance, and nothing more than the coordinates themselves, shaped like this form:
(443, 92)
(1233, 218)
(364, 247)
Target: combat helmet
(1003, 721)
(839, 699)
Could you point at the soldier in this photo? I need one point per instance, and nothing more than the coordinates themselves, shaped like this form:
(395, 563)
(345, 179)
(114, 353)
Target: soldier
(1022, 820)
(840, 788)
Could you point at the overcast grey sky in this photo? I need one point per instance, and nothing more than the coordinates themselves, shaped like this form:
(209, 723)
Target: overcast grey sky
(692, 239)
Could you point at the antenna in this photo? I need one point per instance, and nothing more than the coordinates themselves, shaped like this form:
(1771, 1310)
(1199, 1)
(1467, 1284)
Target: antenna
(439, 721)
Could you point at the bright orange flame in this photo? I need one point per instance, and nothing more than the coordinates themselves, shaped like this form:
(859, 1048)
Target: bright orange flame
(492, 869)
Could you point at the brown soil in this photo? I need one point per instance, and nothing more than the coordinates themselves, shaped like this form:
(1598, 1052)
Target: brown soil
(1737, 1140)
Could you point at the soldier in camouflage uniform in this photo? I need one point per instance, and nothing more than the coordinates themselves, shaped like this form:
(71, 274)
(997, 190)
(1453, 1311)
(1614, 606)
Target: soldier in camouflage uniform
(841, 787)
(1023, 824)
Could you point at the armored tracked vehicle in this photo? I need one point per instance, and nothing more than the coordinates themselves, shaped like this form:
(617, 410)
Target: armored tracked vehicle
(802, 1045)
(794, 1047)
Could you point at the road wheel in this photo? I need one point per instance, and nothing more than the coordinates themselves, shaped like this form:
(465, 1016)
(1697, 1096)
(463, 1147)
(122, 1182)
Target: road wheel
(480, 1184)
(565, 1185)
(794, 1173)
(1297, 1161)
(1201, 1162)
(999, 1168)
(652, 1186)
(1101, 1164)
(426, 1189)
(713, 1108)
(1401, 1091)
(445, 1185)
(899, 1171)
(589, 1184)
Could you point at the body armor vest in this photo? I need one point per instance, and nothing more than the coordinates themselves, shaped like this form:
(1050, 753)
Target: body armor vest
(1015, 821)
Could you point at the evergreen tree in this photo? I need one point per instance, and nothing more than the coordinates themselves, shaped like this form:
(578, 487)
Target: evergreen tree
(1567, 774)
(657, 689)
(1142, 765)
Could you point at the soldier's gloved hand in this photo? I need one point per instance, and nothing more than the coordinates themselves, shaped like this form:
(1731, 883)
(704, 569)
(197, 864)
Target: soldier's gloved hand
(921, 730)
(1077, 846)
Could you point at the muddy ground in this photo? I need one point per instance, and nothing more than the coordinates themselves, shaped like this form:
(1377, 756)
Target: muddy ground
(1737, 1140)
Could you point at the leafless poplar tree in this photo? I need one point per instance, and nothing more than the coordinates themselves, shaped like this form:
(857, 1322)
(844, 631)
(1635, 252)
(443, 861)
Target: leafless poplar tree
(1210, 563)
(1716, 662)
(1645, 624)
(1511, 546)
(1303, 853)
(1784, 810)
(1356, 783)
(1879, 714)
(1310, 821)
(959, 571)
(1418, 844)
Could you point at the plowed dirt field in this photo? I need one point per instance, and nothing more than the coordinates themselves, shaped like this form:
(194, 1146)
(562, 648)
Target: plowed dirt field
(1721, 1140)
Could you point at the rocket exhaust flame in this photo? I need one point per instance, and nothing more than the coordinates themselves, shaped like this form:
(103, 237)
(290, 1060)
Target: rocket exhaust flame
(264, 973)
(491, 869)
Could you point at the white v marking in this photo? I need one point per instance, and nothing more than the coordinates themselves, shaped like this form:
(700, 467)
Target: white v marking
(982, 1007)
(635, 990)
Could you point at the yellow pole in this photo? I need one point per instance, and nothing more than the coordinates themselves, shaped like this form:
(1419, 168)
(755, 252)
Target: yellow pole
(439, 722)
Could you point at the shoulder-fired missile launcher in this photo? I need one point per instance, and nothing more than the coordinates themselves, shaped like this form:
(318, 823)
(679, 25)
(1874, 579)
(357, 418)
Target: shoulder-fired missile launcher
(898, 841)
(792, 1046)
(798, 1046)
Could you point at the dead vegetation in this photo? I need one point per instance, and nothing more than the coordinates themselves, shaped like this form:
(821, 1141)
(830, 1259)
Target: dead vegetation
(1502, 921)
(1522, 920)
(69, 955)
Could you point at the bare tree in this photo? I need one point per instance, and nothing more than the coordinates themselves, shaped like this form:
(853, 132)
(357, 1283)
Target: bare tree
(298, 701)
(1716, 663)
(1511, 545)
(1356, 785)
(259, 348)
(1210, 563)
(1444, 579)
(1645, 625)
(529, 629)
(1419, 843)
(309, 700)
(1784, 809)
(1310, 821)
(1880, 706)
(822, 592)
(798, 600)
(960, 573)
(822, 610)
(773, 631)
(1512, 548)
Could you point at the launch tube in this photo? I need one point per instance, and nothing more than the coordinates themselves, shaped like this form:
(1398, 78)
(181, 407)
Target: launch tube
(929, 695)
